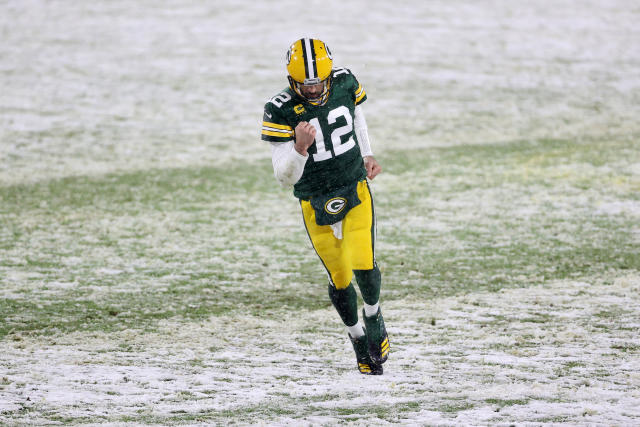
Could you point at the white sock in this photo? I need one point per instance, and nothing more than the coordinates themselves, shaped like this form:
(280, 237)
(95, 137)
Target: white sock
(356, 330)
(371, 310)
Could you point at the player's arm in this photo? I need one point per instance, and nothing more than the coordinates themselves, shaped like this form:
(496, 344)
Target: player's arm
(362, 133)
(289, 158)
(288, 164)
(359, 96)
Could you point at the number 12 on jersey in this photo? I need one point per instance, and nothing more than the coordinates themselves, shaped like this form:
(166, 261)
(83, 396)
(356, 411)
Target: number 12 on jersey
(338, 147)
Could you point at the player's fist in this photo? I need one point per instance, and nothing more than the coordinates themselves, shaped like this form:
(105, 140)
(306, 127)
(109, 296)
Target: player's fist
(372, 167)
(305, 135)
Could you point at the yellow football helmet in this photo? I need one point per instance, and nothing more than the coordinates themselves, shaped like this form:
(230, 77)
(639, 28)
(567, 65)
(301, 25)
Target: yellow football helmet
(309, 63)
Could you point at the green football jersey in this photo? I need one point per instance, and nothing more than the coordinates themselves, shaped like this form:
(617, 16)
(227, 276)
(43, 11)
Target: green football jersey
(334, 157)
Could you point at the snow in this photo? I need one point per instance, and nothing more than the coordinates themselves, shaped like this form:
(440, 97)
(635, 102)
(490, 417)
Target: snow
(92, 88)
(104, 87)
(565, 367)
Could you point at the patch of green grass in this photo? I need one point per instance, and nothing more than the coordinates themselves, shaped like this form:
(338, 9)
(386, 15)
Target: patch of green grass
(553, 419)
(67, 420)
(139, 247)
(627, 347)
(567, 367)
(502, 247)
(454, 407)
(608, 314)
(538, 318)
(386, 412)
(507, 402)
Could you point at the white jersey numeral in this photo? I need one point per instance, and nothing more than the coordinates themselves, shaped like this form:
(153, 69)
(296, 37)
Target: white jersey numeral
(338, 71)
(280, 99)
(321, 151)
(338, 147)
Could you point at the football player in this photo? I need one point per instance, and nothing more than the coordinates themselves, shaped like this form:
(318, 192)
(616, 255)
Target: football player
(320, 146)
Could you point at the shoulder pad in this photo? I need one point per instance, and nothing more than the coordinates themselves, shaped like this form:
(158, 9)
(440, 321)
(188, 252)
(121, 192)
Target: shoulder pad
(275, 127)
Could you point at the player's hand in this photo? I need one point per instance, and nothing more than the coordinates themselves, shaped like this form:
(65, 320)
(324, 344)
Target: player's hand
(305, 135)
(372, 166)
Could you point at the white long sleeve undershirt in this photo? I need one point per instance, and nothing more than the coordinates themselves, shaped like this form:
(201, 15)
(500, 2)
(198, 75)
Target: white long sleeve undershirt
(360, 126)
(288, 164)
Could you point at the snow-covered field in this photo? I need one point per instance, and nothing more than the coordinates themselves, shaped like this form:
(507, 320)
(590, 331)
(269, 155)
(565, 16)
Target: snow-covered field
(151, 272)
(566, 351)
(93, 87)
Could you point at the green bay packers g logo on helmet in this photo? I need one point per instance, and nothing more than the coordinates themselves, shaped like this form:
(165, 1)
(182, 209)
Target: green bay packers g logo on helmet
(309, 63)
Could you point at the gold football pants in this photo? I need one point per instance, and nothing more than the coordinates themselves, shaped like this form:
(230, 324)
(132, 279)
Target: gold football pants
(355, 251)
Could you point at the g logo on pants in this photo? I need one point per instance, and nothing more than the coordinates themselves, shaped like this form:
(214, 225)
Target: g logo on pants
(335, 206)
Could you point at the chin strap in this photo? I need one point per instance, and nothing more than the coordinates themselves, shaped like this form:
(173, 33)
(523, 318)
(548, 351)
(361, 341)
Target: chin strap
(295, 86)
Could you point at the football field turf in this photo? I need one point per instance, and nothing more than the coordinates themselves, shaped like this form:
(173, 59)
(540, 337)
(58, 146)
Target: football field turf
(152, 271)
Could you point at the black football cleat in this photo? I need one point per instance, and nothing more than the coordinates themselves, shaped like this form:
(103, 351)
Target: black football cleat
(377, 337)
(366, 366)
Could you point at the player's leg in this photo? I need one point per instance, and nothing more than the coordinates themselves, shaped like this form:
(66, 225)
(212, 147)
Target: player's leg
(328, 248)
(360, 232)
(369, 282)
(342, 293)
(345, 302)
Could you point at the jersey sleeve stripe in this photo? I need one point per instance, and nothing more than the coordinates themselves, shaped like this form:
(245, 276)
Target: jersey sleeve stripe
(360, 94)
(280, 134)
(276, 126)
(277, 130)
